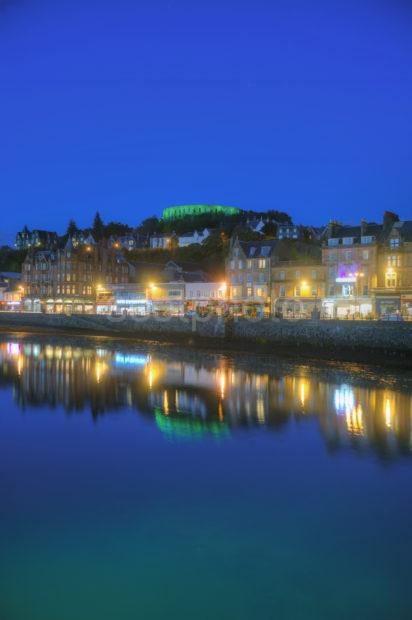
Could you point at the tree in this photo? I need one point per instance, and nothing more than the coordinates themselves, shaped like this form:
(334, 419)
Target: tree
(149, 226)
(98, 227)
(72, 229)
(116, 229)
(270, 229)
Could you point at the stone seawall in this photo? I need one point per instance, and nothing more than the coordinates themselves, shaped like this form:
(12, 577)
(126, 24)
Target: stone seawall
(357, 340)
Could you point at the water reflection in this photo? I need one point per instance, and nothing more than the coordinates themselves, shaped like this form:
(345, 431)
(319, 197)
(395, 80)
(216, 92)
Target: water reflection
(193, 398)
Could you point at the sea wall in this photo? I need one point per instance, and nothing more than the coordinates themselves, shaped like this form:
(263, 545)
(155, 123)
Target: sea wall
(339, 339)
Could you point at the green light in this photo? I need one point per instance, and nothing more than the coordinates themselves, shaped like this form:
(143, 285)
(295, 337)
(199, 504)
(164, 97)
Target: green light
(188, 428)
(175, 213)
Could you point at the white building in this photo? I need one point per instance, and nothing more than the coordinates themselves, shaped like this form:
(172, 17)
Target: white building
(193, 237)
(201, 294)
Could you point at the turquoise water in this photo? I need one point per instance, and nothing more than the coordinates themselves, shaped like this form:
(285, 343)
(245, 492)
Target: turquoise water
(151, 482)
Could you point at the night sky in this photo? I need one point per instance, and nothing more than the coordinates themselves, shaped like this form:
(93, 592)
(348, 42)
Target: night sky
(132, 106)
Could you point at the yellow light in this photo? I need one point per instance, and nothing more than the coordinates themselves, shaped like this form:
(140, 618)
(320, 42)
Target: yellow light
(100, 370)
(388, 413)
(20, 364)
(222, 384)
(302, 393)
(165, 403)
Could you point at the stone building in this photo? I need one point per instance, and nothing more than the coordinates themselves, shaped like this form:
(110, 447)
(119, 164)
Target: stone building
(27, 239)
(248, 273)
(68, 279)
(254, 269)
(350, 257)
(369, 269)
(393, 292)
(298, 288)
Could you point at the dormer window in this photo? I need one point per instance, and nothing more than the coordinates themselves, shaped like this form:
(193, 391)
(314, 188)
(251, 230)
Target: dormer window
(394, 243)
(333, 241)
(367, 239)
(347, 240)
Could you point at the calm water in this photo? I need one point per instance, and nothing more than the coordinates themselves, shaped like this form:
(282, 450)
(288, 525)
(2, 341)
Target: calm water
(150, 482)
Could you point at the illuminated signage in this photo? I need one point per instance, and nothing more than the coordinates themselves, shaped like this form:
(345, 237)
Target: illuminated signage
(346, 279)
(130, 360)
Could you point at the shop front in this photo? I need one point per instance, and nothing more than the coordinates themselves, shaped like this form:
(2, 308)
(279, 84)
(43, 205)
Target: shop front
(388, 305)
(348, 308)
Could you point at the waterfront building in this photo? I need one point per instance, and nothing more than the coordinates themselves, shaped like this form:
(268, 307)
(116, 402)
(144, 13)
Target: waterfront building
(250, 269)
(393, 291)
(68, 279)
(207, 296)
(27, 239)
(350, 257)
(168, 289)
(298, 288)
(175, 213)
(10, 291)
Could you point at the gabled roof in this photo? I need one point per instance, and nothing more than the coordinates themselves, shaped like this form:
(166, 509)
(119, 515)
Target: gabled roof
(404, 228)
(259, 249)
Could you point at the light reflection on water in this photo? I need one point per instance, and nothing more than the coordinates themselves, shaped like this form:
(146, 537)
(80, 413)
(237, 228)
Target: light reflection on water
(191, 398)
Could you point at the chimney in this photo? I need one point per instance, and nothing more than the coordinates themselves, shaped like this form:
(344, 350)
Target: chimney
(363, 226)
(389, 219)
(333, 227)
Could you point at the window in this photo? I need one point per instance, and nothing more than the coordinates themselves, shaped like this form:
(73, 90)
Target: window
(333, 241)
(240, 278)
(347, 290)
(348, 256)
(394, 243)
(314, 274)
(198, 293)
(232, 264)
(297, 291)
(281, 275)
(249, 291)
(332, 257)
(262, 263)
(365, 255)
(297, 275)
(261, 278)
(390, 279)
(234, 280)
(347, 240)
(259, 292)
(249, 264)
(282, 292)
(366, 239)
(394, 260)
(240, 264)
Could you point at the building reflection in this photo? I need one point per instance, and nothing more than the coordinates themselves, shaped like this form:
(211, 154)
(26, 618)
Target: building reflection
(193, 399)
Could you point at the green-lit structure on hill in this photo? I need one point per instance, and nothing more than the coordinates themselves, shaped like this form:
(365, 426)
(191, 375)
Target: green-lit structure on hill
(176, 213)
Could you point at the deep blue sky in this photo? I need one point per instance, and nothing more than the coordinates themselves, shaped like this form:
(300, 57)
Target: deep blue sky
(131, 106)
